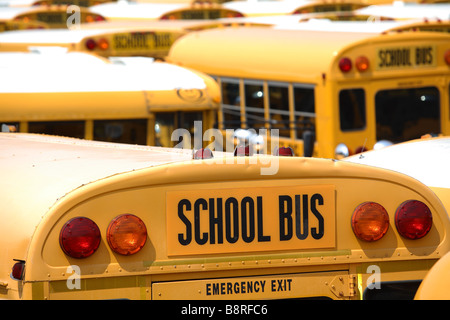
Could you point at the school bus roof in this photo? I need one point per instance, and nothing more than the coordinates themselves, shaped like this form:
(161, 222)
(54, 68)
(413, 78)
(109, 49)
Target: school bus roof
(124, 10)
(212, 50)
(408, 10)
(274, 54)
(367, 26)
(104, 89)
(45, 165)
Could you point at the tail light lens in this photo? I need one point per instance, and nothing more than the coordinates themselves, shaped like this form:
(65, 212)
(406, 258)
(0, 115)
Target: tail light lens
(370, 221)
(413, 219)
(103, 44)
(79, 237)
(447, 57)
(126, 234)
(362, 64)
(345, 64)
(205, 153)
(242, 151)
(284, 151)
(90, 44)
(18, 270)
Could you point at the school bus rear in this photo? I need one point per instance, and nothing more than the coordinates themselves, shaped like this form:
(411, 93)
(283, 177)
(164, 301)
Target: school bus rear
(100, 221)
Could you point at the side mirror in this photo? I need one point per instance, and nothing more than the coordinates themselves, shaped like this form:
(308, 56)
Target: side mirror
(308, 143)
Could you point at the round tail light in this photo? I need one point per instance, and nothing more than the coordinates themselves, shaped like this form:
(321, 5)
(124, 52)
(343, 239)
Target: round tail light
(126, 234)
(284, 151)
(79, 237)
(370, 221)
(447, 57)
(413, 219)
(362, 64)
(345, 64)
(205, 153)
(103, 44)
(90, 44)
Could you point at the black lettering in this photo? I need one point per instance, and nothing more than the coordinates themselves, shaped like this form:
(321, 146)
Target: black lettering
(198, 238)
(285, 216)
(185, 240)
(215, 221)
(248, 232)
(382, 56)
(261, 236)
(301, 219)
(231, 204)
(317, 199)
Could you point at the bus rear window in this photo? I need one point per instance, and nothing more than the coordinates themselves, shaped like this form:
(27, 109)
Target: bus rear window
(352, 109)
(405, 114)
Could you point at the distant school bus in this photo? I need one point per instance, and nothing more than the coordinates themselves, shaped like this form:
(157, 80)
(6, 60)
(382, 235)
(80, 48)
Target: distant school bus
(162, 11)
(111, 39)
(10, 25)
(350, 89)
(132, 101)
(53, 16)
(31, 3)
(251, 8)
(137, 222)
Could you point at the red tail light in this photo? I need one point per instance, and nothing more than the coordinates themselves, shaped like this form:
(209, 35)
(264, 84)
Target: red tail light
(370, 221)
(79, 237)
(18, 270)
(203, 154)
(126, 234)
(345, 64)
(284, 151)
(242, 151)
(413, 219)
(90, 44)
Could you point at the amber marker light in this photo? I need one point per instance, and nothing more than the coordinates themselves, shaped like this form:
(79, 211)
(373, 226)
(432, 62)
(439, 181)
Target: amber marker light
(362, 64)
(370, 221)
(126, 234)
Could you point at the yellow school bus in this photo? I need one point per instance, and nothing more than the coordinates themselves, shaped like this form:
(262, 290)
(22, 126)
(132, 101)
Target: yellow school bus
(133, 100)
(138, 222)
(349, 89)
(10, 25)
(118, 11)
(426, 160)
(32, 3)
(111, 39)
(251, 8)
(53, 16)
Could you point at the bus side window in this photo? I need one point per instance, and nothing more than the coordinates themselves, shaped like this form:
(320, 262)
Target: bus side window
(231, 102)
(254, 104)
(132, 131)
(304, 110)
(73, 129)
(352, 109)
(279, 108)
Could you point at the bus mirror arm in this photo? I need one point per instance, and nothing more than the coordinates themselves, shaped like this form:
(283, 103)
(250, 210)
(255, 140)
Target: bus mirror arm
(308, 143)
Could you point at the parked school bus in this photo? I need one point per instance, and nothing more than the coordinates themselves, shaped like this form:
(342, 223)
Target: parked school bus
(52, 16)
(115, 221)
(112, 39)
(121, 11)
(134, 100)
(351, 90)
